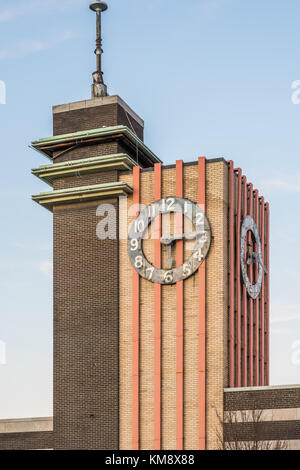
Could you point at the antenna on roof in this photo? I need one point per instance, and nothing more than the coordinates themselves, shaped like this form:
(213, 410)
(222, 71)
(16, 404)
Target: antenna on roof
(99, 88)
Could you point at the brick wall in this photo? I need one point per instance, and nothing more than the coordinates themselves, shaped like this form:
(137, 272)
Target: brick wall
(216, 311)
(86, 301)
(217, 296)
(86, 291)
(90, 118)
(86, 331)
(277, 417)
(262, 398)
(26, 441)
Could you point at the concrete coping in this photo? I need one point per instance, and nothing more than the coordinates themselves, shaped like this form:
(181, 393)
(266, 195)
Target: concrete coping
(92, 103)
(269, 387)
(22, 425)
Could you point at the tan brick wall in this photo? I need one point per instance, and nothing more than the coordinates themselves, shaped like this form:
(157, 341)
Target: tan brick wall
(216, 297)
(216, 310)
(125, 315)
(168, 340)
(191, 331)
(147, 333)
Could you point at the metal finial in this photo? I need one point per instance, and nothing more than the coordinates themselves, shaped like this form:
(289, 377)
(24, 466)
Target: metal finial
(99, 89)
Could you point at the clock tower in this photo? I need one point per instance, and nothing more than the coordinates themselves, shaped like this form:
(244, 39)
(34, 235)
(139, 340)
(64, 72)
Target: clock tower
(153, 323)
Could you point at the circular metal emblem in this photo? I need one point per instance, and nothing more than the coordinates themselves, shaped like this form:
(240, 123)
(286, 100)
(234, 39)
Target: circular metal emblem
(253, 257)
(139, 229)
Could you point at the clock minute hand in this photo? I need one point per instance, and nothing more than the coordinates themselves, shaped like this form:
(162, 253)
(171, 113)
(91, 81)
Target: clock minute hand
(259, 260)
(169, 239)
(255, 257)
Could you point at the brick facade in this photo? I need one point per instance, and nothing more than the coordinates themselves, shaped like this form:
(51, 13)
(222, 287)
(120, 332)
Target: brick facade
(85, 118)
(27, 441)
(86, 298)
(278, 418)
(262, 398)
(216, 311)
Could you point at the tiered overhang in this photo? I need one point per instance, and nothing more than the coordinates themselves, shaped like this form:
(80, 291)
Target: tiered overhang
(49, 173)
(67, 142)
(82, 194)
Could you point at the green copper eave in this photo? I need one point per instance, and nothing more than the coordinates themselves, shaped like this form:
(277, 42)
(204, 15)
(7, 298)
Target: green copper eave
(49, 173)
(49, 144)
(83, 193)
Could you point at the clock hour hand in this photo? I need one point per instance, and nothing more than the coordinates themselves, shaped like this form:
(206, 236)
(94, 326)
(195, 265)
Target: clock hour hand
(168, 240)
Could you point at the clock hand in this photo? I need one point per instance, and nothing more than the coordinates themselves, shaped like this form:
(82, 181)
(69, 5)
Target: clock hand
(256, 258)
(168, 239)
(170, 258)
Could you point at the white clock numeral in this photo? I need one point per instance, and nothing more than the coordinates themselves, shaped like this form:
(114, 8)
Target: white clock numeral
(199, 218)
(199, 256)
(134, 244)
(187, 270)
(188, 208)
(138, 262)
(169, 277)
(170, 204)
(139, 226)
(150, 271)
(151, 212)
(204, 239)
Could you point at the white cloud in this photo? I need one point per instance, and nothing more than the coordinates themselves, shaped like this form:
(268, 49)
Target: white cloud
(281, 313)
(24, 7)
(46, 267)
(25, 47)
(286, 183)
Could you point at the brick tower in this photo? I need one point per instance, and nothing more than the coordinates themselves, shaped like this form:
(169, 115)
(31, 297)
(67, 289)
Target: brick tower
(94, 142)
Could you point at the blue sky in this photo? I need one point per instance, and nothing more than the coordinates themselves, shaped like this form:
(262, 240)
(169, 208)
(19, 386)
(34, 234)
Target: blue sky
(210, 77)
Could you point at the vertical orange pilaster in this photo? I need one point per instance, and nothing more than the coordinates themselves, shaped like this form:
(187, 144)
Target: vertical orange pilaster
(267, 209)
(245, 300)
(256, 302)
(202, 315)
(231, 277)
(179, 293)
(238, 279)
(250, 274)
(135, 331)
(262, 299)
(157, 314)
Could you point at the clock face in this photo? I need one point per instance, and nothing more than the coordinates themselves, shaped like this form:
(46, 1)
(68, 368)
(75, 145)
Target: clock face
(200, 234)
(249, 256)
